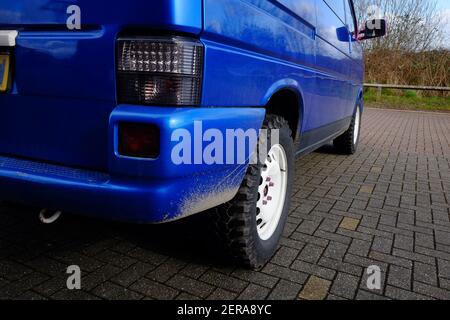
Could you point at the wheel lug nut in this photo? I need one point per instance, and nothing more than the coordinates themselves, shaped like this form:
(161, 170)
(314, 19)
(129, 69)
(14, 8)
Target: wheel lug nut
(269, 198)
(264, 202)
(271, 184)
(268, 179)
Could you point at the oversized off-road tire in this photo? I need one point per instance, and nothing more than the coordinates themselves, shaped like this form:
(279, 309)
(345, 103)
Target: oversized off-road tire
(348, 142)
(250, 226)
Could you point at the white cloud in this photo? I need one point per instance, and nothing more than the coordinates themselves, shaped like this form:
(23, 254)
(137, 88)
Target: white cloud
(445, 26)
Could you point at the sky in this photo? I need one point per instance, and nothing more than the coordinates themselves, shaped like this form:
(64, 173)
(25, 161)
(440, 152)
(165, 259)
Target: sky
(444, 4)
(444, 8)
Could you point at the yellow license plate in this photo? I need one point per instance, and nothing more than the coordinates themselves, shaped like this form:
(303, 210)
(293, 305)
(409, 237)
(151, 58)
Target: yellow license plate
(4, 72)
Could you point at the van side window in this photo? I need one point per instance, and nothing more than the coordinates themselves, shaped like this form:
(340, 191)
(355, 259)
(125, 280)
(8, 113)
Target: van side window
(350, 16)
(338, 7)
(305, 9)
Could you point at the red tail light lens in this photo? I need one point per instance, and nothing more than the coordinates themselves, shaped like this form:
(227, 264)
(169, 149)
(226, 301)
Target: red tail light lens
(159, 71)
(139, 140)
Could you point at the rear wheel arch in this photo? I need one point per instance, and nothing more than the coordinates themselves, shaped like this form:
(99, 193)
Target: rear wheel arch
(360, 101)
(288, 103)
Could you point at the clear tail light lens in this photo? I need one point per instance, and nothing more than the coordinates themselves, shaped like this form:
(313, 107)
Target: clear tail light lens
(159, 71)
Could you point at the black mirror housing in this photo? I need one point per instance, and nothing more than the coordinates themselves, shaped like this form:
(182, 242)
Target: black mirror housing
(375, 28)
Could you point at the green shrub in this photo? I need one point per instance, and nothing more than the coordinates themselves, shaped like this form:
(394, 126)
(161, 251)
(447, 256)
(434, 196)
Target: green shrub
(388, 92)
(410, 94)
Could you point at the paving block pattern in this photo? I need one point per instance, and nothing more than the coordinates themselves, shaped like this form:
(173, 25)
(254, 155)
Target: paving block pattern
(387, 206)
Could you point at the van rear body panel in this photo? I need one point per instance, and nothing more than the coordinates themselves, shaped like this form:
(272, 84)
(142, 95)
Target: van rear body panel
(64, 87)
(62, 111)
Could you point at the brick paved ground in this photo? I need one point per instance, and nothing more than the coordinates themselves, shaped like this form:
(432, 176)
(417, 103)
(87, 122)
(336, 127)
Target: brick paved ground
(386, 206)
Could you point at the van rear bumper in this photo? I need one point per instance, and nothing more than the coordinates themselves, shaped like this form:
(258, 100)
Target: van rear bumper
(136, 190)
(100, 195)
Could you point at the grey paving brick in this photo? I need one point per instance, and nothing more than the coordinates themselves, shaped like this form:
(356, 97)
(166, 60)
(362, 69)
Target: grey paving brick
(329, 225)
(224, 281)
(166, 270)
(391, 259)
(311, 253)
(401, 294)
(369, 296)
(399, 277)
(187, 297)
(154, 289)
(444, 268)
(425, 273)
(12, 271)
(117, 259)
(333, 237)
(30, 295)
(383, 245)
(22, 285)
(360, 247)
(147, 256)
(48, 266)
(376, 232)
(345, 286)
(404, 242)
(111, 291)
(98, 276)
(313, 269)
(335, 250)
(424, 240)
(290, 243)
(309, 239)
(285, 256)
(259, 278)
(222, 294)
(414, 256)
(444, 283)
(86, 263)
(194, 270)
(285, 290)
(308, 227)
(433, 253)
(192, 286)
(341, 266)
(432, 291)
(77, 295)
(51, 286)
(254, 292)
(285, 273)
(132, 273)
(389, 220)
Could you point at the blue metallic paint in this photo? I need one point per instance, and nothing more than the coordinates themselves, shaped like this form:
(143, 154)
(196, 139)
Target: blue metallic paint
(62, 111)
(135, 189)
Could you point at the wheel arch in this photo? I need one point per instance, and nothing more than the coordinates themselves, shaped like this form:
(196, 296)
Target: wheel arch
(360, 99)
(288, 94)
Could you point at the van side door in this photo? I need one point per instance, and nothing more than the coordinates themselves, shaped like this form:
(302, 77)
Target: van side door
(333, 61)
(356, 72)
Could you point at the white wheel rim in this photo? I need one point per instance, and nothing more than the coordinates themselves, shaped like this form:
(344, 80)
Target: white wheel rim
(272, 192)
(356, 129)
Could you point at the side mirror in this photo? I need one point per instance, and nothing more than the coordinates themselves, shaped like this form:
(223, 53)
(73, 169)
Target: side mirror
(373, 29)
(342, 34)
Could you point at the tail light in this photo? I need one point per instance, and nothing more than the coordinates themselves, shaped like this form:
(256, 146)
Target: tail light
(159, 71)
(139, 140)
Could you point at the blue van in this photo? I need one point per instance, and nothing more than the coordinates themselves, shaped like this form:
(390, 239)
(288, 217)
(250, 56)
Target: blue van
(96, 97)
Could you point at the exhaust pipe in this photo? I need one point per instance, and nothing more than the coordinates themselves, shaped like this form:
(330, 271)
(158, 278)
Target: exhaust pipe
(48, 217)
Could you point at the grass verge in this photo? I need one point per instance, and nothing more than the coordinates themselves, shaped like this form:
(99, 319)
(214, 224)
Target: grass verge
(406, 100)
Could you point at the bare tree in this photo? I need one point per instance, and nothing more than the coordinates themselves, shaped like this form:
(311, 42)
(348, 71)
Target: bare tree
(414, 25)
(412, 52)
